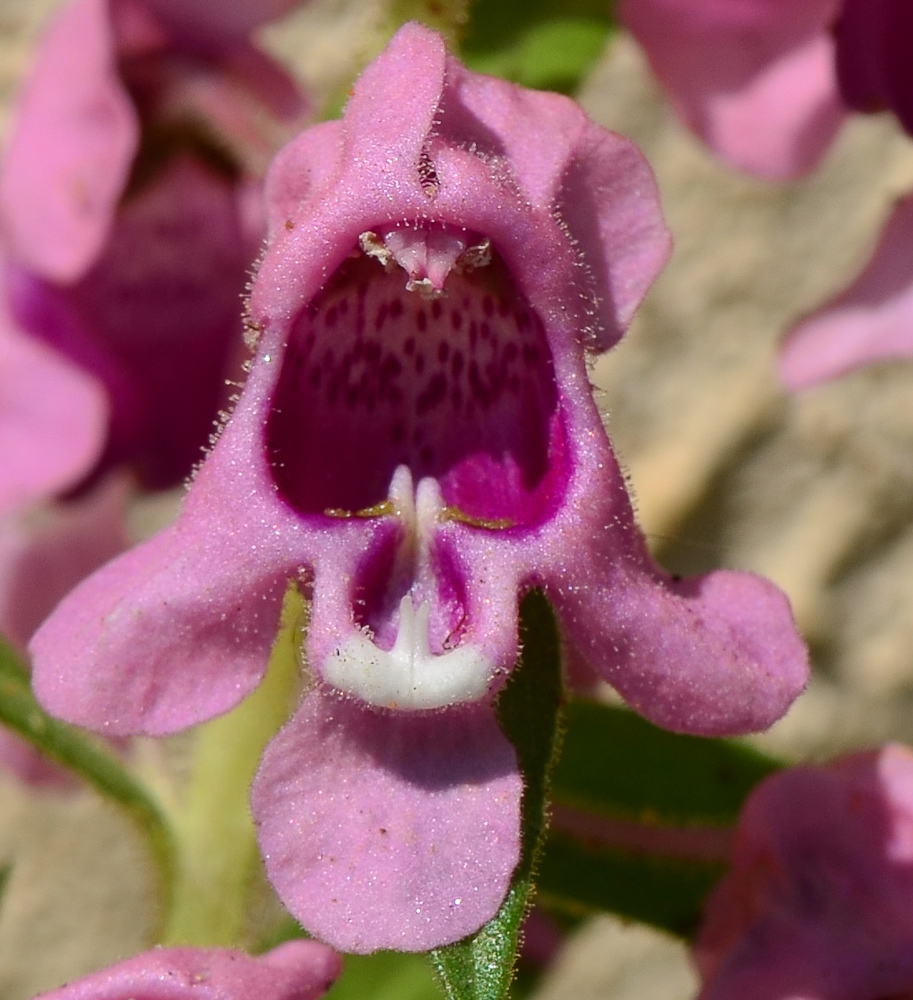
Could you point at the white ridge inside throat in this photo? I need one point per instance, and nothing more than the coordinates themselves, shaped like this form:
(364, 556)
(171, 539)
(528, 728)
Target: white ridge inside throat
(410, 675)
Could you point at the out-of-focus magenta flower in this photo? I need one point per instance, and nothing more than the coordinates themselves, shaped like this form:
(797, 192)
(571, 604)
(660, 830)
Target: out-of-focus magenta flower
(127, 210)
(755, 79)
(819, 902)
(416, 446)
(873, 57)
(299, 970)
(52, 420)
(872, 320)
(45, 550)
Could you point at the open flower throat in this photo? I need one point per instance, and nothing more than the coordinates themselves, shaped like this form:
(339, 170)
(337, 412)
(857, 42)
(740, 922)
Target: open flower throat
(421, 354)
(418, 386)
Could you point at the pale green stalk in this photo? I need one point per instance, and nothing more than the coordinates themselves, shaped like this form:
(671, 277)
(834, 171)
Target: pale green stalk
(214, 828)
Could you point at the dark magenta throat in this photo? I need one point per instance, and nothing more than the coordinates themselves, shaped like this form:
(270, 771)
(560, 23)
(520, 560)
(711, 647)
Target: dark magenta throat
(456, 384)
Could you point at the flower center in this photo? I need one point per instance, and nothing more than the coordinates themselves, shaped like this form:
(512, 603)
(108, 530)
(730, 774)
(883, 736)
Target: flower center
(417, 386)
(444, 370)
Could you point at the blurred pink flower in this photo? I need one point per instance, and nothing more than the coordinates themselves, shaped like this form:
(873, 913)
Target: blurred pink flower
(819, 902)
(873, 56)
(299, 970)
(45, 550)
(766, 84)
(129, 214)
(755, 79)
(872, 320)
(52, 420)
(417, 446)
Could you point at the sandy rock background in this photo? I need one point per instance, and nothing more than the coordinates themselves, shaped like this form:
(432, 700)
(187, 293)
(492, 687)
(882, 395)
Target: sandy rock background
(815, 491)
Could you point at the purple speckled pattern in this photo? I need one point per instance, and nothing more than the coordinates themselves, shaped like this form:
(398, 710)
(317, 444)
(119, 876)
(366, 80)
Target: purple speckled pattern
(755, 79)
(819, 902)
(298, 970)
(872, 320)
(413, 497)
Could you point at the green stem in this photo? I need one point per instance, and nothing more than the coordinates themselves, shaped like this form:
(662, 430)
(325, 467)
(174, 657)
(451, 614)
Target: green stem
(98, 767)
(218, 846)
(449, 17)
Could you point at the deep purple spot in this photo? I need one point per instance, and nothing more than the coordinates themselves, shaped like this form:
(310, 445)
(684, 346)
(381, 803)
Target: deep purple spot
(431, 395)
(443, 352)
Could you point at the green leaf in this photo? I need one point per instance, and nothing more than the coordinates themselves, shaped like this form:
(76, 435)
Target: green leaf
(5, 872)
(642, 816)
(665, 892)
(78, 752)
(480, 967)
(386, 975)
(615, 763)
(547, 44)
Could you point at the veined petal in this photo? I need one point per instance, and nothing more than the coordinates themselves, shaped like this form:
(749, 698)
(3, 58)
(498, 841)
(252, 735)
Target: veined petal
(389, 830)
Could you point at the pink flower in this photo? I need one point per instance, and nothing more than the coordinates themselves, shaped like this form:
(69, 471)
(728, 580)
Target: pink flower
(299, 970)
(872, 320)
(873, 57)
(52, 420)
(416, 446)
(45, 550)
(819, 902)
(126, 211)
(755, 79)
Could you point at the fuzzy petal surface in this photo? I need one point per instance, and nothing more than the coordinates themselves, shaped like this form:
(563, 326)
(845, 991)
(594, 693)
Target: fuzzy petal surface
(754, 79)
(819, 900)
(872, 320)
(163, 637)
(298, 970)
(712, 655)
(73, 140)
(389, 830)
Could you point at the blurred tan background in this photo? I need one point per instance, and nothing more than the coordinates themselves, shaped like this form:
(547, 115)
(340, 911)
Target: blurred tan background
(814, 491)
